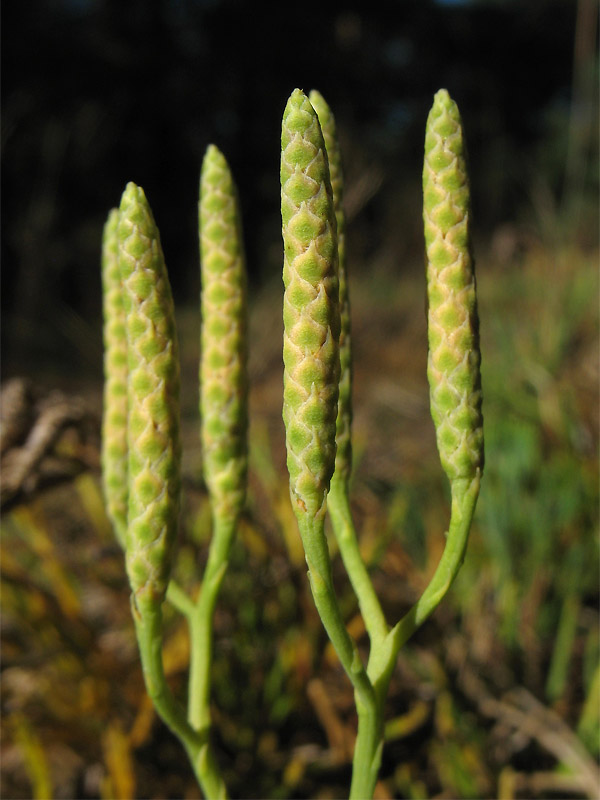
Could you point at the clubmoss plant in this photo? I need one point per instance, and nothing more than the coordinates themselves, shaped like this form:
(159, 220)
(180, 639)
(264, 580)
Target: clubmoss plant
(141, 453)
(311, 356)
(141, 447)
(317, 338)
(223, 400)
(150, 429)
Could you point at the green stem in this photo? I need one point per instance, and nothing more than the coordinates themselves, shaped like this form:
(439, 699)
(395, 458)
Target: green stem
(367, 751)
(368, 697)
(369, 741)
(149, 635)
(321, 584)
(201, 621)
(179, 599)
(193, 731)
(464, 498)
(338, 506)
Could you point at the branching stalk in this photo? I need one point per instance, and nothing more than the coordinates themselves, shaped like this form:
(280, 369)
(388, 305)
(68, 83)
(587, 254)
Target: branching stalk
(453, 371)
(141, 451)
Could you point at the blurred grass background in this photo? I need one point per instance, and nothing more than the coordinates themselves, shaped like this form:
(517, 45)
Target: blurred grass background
(498, 696)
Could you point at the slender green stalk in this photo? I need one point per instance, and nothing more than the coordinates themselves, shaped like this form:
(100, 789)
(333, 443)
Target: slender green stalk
(321, 584)
(338, 507)
(368, 751)
(369, 741)
(180, 599)
(149, 636)
(464, 498)
(201, 628)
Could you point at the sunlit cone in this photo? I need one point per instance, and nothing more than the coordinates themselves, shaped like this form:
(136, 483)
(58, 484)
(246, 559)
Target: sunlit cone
(454, 356)
(311, 307)
(223, 367)
(114, 419)
(153, 396)
(343, 458)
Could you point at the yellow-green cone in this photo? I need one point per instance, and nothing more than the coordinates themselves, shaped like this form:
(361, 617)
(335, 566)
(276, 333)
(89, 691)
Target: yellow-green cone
(343, 457)
(153, 396)
(223, 367)
(454, 356)
(114, 420)
(311, 307)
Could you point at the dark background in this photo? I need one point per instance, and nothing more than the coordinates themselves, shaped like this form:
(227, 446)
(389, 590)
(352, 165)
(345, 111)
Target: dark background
(99, 92)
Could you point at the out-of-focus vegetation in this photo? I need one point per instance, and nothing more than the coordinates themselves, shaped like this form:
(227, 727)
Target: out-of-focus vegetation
(499, 694)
